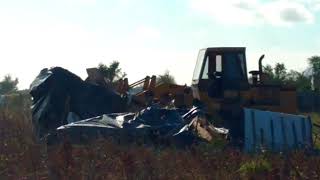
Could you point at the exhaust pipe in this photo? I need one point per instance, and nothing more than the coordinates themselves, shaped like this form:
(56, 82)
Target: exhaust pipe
(260, 63)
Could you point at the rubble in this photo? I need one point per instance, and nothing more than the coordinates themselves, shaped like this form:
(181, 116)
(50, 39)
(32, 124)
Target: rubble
(66, 106)
(151, 126)
(56, 92)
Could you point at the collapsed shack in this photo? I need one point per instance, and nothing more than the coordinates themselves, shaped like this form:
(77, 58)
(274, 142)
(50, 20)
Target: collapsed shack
(59, 94)
(65, 106)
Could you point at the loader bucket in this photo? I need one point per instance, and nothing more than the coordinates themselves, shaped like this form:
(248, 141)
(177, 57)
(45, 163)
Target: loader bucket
(277, 132)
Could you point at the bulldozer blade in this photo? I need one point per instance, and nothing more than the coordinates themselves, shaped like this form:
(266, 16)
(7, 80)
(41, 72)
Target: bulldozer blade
(277, 132)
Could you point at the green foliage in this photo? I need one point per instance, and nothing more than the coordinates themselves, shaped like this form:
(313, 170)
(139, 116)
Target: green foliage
(315, 117)
(314, 64)
(279, 75)
(217, 145)
(166, 78)
(303, 81)
(280, 72)
(254, 167)
(8, 85)
(268, 69)
(112, 72)
(298, 79)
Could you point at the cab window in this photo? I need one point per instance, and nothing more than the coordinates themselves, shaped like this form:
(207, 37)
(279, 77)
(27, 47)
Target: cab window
(218, 63)
(235, 66)
(205, 69)
(197, 70)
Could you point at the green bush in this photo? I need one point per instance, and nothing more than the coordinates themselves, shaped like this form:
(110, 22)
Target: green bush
(255, 167)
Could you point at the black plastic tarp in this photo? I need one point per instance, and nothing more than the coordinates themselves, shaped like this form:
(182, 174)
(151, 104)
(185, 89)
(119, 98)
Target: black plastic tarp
(56, 92)
(151, 126)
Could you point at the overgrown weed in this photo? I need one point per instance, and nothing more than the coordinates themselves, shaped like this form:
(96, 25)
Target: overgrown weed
(21, 157)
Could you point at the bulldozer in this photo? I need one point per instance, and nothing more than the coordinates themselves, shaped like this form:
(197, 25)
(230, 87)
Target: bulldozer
(254, 109)
(257, 111)
(220, 78)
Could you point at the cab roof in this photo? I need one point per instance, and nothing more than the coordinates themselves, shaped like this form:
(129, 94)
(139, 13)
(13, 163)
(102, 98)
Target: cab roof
(223, 49)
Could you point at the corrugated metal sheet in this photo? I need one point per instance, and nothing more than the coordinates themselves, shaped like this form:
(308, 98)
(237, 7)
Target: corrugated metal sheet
(276, 131)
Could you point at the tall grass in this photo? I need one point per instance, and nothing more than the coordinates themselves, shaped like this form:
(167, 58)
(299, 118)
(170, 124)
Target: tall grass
(22, 158)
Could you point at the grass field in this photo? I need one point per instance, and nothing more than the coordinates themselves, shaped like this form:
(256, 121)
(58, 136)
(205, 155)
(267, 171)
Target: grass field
(22, 158)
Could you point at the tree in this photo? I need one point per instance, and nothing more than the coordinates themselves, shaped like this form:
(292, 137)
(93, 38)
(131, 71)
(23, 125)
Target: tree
(314, 64)
(166, 78)
(8, 85)
(299, 80)
(277, 74)
(280, 72)
(268, 69)
(112, 72)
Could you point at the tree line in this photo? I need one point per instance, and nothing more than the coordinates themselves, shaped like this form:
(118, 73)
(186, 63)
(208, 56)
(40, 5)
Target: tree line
(112, 72)
(307, 80)
(8, 85)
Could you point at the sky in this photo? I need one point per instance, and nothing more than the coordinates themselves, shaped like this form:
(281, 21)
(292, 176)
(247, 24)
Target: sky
(151, 36)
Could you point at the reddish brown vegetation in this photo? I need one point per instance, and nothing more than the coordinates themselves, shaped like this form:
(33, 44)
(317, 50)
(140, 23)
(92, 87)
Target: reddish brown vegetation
(22, 158)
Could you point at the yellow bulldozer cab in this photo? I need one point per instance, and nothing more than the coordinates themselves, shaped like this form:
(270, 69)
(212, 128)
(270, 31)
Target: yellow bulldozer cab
(220, 76)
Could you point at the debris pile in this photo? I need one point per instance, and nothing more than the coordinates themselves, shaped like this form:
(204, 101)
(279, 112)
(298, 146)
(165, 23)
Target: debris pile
(56, 92)
(151, 126)
(66, 106)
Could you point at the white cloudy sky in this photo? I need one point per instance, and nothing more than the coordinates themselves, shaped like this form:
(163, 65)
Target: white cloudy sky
(150, 36)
